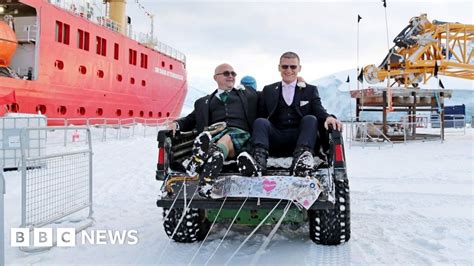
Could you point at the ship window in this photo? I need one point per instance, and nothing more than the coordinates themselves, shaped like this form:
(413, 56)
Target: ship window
(171, 67)
(100, 73)
(143, 83)
(143, 61)
(130, 112)
(162, 63)
(83, 39)
(150, 114)
(15, 107)
(82, 70)
(101, 46)
(81, 110)
(142, 113)
(59, 64)
(132, 57)
(116, 51)
(100, 111)
(159, 114)
(132, 80)
(41, 108)
(118, 112)
(167, 114)
(119, 77)
(62, 109)
(62, 32)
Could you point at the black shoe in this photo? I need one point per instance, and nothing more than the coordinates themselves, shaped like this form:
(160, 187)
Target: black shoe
(303, 164)
(210, 172)
(199, 152)
(260, 156)
(247, 165)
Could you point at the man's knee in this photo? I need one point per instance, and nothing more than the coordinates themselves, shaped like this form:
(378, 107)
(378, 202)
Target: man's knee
(309, 119)
(229, 145)
(261, 123)
(226, 140)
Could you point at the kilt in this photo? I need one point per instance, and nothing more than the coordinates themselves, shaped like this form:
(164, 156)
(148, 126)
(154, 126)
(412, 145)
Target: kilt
(238, 136)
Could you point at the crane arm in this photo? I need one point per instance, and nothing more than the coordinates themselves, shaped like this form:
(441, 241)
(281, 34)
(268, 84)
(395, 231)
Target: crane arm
(424, 46)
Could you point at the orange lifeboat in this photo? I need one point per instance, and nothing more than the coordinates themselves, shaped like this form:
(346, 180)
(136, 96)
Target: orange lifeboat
(8, 44)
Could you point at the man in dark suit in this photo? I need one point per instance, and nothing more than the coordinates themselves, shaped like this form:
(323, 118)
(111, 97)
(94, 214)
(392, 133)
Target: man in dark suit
(235, 106)
(289, 112)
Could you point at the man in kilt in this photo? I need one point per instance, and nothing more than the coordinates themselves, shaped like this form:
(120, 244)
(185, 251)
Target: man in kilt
(235, 106)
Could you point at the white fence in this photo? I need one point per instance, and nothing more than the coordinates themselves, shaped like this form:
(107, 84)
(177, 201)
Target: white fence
(10, 127)
(425, 126)
(364, 133)
(103, 129)
(2, 220)
(58, 183)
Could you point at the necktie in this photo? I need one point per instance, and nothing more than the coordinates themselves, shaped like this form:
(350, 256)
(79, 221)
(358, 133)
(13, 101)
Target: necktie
(224, 96)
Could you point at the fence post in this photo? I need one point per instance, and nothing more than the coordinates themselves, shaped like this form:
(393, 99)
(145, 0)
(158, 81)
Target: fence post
(2, 227)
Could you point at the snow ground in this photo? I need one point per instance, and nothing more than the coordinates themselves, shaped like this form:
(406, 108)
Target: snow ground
(410, 204)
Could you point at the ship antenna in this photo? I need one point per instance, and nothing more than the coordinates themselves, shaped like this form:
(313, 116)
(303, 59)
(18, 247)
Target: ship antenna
(152, 30)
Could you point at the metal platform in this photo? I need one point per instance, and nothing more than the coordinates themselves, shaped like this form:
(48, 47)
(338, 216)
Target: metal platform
(408, 100)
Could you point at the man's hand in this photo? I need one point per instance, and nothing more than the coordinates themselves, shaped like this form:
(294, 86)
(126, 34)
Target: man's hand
(336, 124)
(173, 126)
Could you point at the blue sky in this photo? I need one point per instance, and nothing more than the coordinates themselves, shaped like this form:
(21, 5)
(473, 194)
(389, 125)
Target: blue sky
(252, 35)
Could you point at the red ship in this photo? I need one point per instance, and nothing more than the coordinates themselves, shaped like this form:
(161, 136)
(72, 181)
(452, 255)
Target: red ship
(66, 63)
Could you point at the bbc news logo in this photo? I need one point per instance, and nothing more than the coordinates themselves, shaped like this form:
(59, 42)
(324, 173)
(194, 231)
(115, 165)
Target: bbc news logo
(66, 237)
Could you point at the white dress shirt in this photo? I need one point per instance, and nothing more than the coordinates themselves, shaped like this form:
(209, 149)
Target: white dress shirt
(288, 91)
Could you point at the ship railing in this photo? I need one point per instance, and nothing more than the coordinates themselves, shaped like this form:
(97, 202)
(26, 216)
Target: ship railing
(87, 13)
(110, 24)
(148, 39)
(26, 33)
(170, 51)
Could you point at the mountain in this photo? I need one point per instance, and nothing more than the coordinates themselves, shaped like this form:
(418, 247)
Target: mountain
(334, 92)
(193, 94)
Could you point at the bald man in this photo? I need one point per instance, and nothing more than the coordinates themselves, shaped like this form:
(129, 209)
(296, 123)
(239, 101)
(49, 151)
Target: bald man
(236, 107)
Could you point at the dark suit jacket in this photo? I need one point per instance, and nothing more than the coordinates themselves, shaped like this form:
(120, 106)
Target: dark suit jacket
(306, 100)
(199, 118)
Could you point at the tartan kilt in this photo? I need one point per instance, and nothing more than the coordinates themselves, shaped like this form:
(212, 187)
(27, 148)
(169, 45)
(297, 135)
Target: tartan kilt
(238, 136)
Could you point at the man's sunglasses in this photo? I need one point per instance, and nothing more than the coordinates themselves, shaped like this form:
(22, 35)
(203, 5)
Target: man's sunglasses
(227, 73)
(289, 66)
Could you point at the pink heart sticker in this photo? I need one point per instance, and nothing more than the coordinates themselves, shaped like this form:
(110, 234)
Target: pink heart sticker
(269, 185)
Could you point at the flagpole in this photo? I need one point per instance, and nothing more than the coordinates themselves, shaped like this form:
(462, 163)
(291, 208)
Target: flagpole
(358, 87)
(358, 20)
(389, 91)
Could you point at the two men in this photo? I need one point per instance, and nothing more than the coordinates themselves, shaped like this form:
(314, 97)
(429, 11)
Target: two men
(236, 107)
(289, 112)
(288, 123)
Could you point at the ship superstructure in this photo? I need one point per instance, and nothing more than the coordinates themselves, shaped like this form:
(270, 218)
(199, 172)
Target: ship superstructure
(70, 63)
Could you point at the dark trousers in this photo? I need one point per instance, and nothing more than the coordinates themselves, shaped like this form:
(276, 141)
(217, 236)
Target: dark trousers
(282, 142)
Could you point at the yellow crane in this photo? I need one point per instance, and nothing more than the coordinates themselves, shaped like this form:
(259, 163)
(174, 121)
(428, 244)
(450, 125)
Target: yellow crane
(424, 49)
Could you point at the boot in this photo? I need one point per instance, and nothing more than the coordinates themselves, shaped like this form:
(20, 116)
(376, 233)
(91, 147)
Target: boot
(200, 152)
(303, 162)
(211, 170)
(247, 165)
(260, 156)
